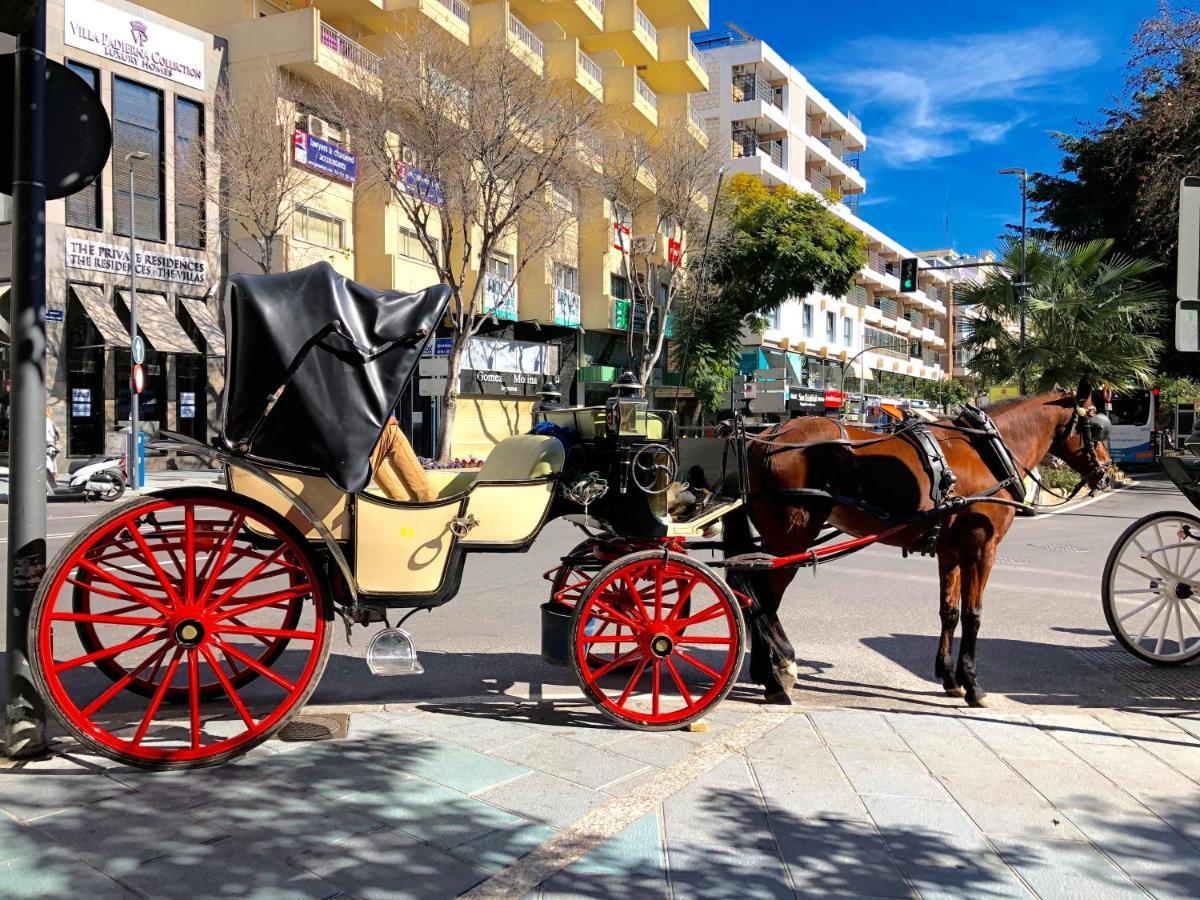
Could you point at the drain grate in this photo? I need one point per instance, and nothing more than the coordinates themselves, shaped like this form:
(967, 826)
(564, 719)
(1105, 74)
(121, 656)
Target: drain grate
(324, 727)
(1140, 679)
(1011, 561)
(1059, 548)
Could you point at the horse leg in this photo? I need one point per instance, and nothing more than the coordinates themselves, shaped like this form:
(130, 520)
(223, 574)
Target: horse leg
(974, 578)
(950, 585)
(772, 657)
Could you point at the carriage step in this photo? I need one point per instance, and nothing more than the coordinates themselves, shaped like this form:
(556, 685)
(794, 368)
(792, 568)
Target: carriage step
(392, 652)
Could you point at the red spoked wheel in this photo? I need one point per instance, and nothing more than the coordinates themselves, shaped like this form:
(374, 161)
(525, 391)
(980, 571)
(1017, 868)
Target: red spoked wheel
(670, 643)
(202, 597)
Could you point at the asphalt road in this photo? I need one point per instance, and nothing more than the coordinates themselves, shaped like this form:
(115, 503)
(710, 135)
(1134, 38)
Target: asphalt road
(864, 628)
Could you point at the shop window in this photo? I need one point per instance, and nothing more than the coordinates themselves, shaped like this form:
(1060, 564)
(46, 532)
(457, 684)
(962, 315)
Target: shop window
(190, 188)
(318, 228)
(138, 126)
(85, 208)
(85, 383)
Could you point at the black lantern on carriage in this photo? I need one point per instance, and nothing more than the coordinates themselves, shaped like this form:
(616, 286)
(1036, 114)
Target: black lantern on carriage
(626, 412)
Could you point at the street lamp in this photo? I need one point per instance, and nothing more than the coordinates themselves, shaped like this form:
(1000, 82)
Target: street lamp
(133, 469)
(1024, 176)
(847, 364)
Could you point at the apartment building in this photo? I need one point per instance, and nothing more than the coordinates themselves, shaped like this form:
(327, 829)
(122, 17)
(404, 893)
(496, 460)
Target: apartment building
(156, 77)
(562, 316)
(970, 274)
(780, 128)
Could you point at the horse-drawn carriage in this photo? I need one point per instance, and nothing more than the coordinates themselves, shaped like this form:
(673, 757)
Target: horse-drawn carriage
(185, 627)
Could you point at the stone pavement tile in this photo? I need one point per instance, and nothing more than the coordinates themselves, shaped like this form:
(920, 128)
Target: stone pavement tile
(792, 737)
(635, 852)
(501, 848)
(573, 886)
(544, 798)
(1151, 852)
(856, 728)
(1137, 724)
(1139, 773)
(809, 784)
(837, 857)
(627, 784)
(1180, 755)
(655, 748)
(1017, 739)
(431, 812)
(592, 767)
(224, 871)
(27, 794)
(1010, 806)
(387, 864)
(948, 866)
(720, 871)
(887, 772)
(940, 816)
(456, 767)
(117, 834)
(722, 806)
(55, 873)
(477, 732)
(18, 841)
(1074, 785)
(1074, 729)
(1190, 724)
(1066, 869)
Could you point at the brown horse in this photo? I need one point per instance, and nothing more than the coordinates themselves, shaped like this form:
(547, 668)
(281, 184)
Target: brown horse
(888, 476)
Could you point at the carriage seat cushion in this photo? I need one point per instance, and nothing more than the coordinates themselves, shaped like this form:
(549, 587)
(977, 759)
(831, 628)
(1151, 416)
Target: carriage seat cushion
(522, 458)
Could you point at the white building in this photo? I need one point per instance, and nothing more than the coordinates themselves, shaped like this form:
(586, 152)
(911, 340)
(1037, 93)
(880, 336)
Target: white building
(783, 130)
(970, 274)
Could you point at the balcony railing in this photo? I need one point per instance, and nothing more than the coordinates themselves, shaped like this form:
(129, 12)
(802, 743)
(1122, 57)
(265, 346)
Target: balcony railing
(854, 120)
(773, 150)
(877, 262)
(591, 68)
(597, 5)
(348, 48)
(934, 293)
(746, 144)
(931, 357)
(852, 202)
(887, 306)
(644, 91)
(820, 182)
(858, 296)
(752, 86)
(694, 54)
(459, 8)
(916, 317)
(644, 25)
(836, 147)
(697, 119)
(519, 31)
(854, 162)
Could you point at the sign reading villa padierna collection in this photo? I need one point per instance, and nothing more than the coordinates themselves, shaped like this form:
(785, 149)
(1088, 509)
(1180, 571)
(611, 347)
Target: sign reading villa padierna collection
(115, 34)
(99, 257)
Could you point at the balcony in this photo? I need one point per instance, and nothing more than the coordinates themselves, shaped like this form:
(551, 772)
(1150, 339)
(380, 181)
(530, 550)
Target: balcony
(696, 124)
(679, 69)
(643, 90)
(623, 88)
(752, 86)
(566, 61)
(746, 144)
(301, 42)
(690, 14)
(460, 9)
(888, 306)
(820, 182)
(526, 44)
(574, 17)
(453, 15)
(857, 296)
(628, 31)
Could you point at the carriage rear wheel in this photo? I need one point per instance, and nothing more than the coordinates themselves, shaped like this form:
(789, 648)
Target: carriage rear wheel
(656, 640)
(1151, 588)
(185, 590)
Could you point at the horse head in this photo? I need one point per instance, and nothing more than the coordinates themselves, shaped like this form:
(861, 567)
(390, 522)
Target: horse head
(1080, 441)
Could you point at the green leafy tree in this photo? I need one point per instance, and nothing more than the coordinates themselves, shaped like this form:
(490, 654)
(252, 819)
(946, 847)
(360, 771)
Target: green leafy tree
(1091, 312)
(776, 244)
(947, 394)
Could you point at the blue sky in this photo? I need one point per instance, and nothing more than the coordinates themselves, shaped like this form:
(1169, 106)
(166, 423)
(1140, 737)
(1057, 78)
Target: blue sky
(950, 92)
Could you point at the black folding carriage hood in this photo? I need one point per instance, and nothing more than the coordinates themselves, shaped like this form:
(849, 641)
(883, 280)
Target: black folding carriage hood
(315, 365)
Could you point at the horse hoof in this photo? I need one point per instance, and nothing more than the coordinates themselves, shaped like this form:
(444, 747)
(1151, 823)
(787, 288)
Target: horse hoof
(954, 690)
(979, 700)
(787, 675)
(779, 698)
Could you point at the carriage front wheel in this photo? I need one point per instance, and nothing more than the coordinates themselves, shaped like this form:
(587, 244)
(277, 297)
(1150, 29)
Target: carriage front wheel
(188, 590)
(1151, 588)
(656, 640)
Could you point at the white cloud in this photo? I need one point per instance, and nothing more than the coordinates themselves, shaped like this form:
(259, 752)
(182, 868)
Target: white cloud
(928, 99)
(875, 200)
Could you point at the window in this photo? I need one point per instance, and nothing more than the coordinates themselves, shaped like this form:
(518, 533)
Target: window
(189, 173)
(847, 331)
(772, 318)
(808, 320)
(138, 126)
(85, 209)
(500, 265)
(566, 278)
(318, 228)
(830, 327)
(410, 246)
(5, 209)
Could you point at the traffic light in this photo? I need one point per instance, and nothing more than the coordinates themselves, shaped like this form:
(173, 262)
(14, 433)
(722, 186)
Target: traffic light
(908, 275)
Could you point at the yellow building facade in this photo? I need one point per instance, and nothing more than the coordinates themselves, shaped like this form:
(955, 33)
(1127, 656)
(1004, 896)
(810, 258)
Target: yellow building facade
(636, 58)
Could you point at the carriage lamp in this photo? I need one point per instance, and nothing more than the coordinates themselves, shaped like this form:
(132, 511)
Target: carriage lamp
(627, 411)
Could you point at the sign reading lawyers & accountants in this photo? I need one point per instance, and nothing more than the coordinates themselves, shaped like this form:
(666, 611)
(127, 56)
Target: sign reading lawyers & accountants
(117, 35)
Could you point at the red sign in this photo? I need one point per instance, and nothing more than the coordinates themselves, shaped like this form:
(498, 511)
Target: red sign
(833, 399)
(139, 379)
(674, 252)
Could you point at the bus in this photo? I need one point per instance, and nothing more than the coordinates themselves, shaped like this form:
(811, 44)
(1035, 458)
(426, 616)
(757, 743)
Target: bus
(1134, 416)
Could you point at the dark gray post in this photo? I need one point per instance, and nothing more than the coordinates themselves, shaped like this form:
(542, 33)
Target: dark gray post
(25, 714)
(1021, 338)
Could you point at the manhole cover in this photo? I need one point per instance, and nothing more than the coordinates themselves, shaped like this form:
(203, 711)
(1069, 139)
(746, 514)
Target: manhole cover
(1059, 548)
(325, 727)
(1011, 561)
(1140, 679)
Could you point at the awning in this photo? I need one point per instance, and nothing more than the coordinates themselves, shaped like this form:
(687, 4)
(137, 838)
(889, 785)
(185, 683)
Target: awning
(158, 323)
(103, 316)
(214, 337)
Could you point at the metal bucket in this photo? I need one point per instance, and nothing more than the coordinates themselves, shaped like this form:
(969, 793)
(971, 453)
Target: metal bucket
(556, 631)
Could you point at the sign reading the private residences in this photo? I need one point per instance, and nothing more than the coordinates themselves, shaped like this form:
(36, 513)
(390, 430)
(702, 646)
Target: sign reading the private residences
(124, 38)
(114, 259)
(321, 156)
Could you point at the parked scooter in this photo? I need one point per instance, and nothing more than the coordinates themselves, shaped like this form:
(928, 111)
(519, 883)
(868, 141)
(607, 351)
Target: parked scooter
(98, 478)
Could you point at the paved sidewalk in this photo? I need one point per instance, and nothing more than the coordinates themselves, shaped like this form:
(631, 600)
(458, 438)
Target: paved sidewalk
(548, 800)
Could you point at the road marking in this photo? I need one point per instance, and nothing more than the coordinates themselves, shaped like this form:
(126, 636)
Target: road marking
(1070, 508)
(610, 819)
(65, 534)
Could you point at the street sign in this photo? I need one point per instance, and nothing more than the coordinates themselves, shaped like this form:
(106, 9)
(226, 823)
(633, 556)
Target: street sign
(55, 315)
(439, 347)
(138, 350)
(139, 379)
(434, 367)
(431, 387)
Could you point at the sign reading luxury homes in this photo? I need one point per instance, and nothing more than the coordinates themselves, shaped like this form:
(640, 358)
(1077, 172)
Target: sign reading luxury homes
(321, 156)
(114, 259)
(124, 38)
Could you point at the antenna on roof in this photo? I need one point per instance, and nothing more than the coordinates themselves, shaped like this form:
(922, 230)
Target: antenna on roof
(742, 32)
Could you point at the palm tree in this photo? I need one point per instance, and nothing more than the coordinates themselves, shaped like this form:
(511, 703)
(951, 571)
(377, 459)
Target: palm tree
(1091, 313)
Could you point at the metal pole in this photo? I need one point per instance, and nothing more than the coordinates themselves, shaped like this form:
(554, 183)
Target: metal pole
(134, 468)
(1021, 340)
(25, 714)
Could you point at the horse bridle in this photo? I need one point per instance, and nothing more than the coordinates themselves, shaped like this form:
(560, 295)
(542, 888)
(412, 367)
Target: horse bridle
(1093, 428)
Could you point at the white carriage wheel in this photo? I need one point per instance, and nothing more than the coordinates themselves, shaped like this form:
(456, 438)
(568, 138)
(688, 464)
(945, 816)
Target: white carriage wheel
(1151, 588)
